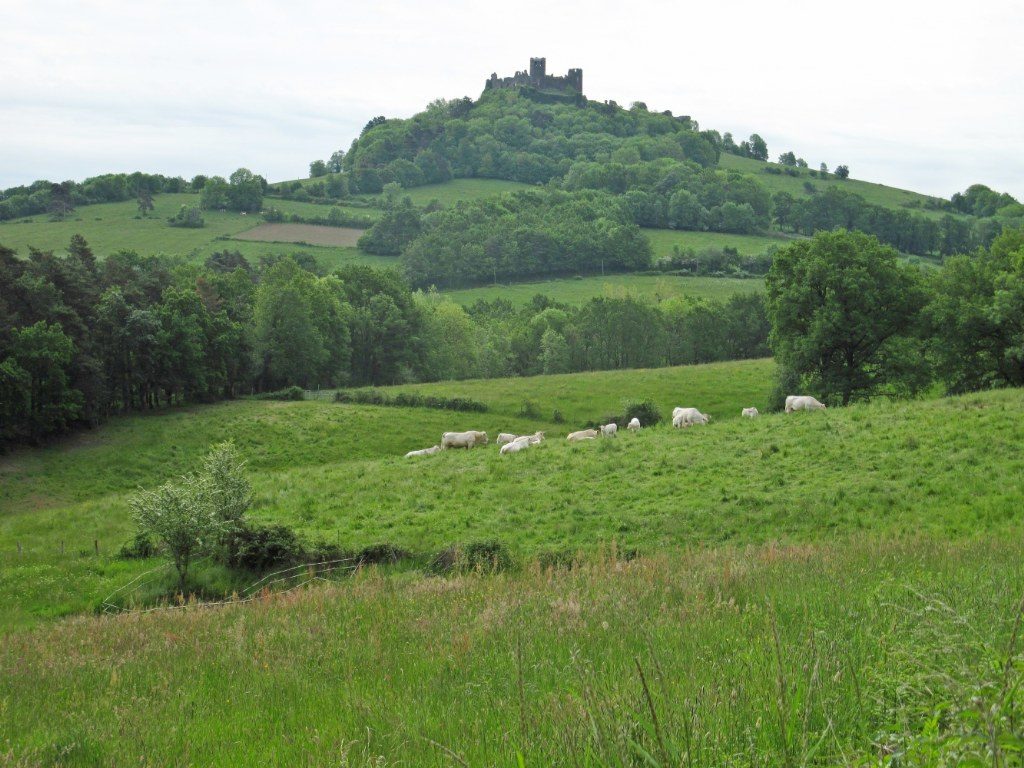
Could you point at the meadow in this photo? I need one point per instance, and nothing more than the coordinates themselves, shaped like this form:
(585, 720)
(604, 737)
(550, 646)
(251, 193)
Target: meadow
(823, 588)
(879, 194)
(663, 241)
(579, 290)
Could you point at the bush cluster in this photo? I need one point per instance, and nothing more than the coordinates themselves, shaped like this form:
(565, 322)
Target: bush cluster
(288, 393)
(409, 400)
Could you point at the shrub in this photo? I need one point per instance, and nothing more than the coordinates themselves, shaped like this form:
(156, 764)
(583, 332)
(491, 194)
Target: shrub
(490, 556)
(189, 217)
(138, 548)
(288, 393)
(644, 410)
(379, 554)
(262, 547)
(557, 417)
(529, 409)
(409, 400)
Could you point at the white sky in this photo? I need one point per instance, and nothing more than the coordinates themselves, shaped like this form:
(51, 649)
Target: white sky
(921, 95)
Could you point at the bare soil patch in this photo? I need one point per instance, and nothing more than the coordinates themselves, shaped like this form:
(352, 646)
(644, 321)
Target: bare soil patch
(311, 234)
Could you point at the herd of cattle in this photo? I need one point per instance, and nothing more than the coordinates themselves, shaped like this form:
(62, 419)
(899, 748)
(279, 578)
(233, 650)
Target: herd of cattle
(681, 417)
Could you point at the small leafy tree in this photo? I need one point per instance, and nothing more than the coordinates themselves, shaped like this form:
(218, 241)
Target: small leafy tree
(179, 516)
(842, 172)
(199, 513)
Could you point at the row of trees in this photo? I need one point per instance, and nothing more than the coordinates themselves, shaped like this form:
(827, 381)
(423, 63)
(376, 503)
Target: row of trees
(908, 232)
(850, 320)
(60, 199)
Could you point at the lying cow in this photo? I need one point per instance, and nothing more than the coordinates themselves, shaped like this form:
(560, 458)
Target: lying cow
(685, 417)
(424, 451)
(803, 403)
(504, 438)
(469, 439)
(610, 430)
(634, 424)
(583, 434)
(517, 445)
(750, 413)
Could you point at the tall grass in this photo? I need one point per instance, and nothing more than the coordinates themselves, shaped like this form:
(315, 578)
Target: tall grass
(863, 653)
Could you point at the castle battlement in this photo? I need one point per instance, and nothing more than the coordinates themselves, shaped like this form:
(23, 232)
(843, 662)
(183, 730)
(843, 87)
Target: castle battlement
(537, 77)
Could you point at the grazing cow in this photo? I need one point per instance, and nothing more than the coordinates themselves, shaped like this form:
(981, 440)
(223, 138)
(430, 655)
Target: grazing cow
(610, 430)
(424, 452)
(517, 445)
(685, 417)
(469, 439)
(634, 424)
(583, 434)
(803, 403)
(750, 413)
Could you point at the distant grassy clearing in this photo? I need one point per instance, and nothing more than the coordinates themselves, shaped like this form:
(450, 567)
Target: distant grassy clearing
(662, 241)
(576, 291)
(303, 233)
(879, 194)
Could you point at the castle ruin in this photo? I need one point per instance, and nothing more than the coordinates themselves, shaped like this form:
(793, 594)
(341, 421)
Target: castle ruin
(537, 77)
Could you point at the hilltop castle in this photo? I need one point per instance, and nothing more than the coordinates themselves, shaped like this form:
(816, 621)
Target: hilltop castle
(538, 78)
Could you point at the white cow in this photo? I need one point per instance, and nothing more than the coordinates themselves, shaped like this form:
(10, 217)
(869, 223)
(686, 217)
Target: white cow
(750, 413)
(634, 424)
(507, 437)
(517, 445)
(583, 434)
(424, 452)
(803, 403)
(610, 430)
(469, 439)
(685, 417)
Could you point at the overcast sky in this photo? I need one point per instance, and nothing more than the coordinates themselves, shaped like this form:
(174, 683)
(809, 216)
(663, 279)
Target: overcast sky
(921, 95)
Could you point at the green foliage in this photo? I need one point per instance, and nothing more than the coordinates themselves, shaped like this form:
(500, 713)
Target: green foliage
(139, 547)
(288, 394)
(409, 400)
(523, 235)
(255, 547)
(488, 556)
(843, 313)
(188, 217)
(199, 514)
(644, 409)
(399, 226)
(976, 317)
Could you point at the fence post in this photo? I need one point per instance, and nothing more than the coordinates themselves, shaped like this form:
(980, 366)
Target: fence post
(96, 545)
(62, 547)
(19, 549)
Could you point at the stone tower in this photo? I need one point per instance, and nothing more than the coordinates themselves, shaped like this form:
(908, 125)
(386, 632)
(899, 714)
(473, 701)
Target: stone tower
(538, 69)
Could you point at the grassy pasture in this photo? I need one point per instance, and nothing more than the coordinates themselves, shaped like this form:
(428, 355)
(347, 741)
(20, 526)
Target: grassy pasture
(776, 655)
(662, 241)
(303, 233)
(879, 194)
(883, 469)
(579, 290)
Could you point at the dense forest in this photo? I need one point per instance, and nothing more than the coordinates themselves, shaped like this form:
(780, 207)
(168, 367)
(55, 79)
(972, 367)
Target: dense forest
(82, 339)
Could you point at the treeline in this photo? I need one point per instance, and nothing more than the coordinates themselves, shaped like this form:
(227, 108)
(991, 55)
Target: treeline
(242, 191)
(59, 199)
(520, 235)
(908, 232)
(80, 340)
(851, 321)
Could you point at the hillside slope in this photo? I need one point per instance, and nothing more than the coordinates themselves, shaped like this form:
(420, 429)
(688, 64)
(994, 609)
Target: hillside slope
(337, 472)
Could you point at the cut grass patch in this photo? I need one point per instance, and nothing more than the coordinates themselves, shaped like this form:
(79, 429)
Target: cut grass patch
(303, 233)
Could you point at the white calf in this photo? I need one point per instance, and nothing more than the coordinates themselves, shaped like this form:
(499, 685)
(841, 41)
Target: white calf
(803, 403)
(610, 430)
(517, 445)
(424, 452)
(583, 434)
(750, 413)
(634, 424)
(685, 417)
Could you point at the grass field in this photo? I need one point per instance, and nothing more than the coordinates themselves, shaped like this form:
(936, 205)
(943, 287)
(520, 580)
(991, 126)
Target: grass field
(577, 291)
(815, 589)
(662, 241)
(303, 233)
(770, 656)
(879, 194)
